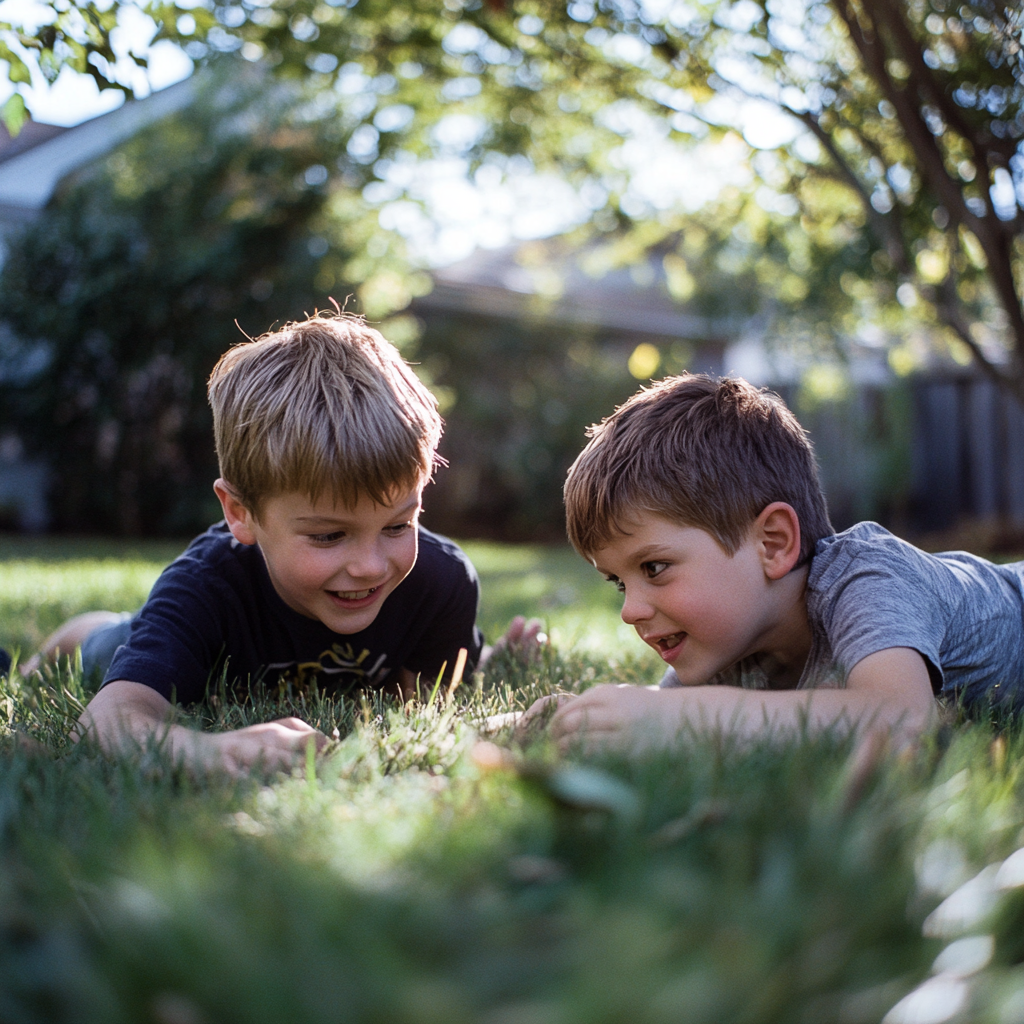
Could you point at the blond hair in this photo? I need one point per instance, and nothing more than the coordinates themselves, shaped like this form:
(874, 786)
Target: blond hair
(321, 405)
(699, 452)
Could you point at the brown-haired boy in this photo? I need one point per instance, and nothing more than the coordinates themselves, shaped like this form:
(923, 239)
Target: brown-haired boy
(699, 499)
(319, 571)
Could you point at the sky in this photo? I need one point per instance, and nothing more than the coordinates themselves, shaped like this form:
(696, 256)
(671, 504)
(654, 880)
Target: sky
(74, 98)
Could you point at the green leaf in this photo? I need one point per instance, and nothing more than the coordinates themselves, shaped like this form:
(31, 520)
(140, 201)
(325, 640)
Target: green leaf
(14, 114)
(17, 68)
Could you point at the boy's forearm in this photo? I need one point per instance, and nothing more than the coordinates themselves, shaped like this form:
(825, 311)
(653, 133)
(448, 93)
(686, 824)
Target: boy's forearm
(124, 714)
(750, 712)
(638, 716)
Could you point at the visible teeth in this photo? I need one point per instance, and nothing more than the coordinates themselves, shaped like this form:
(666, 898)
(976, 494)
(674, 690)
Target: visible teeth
(354, 595)
(668, 642)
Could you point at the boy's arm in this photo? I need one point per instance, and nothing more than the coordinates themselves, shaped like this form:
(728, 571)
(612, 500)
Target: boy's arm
(124, 716)
(888, 692)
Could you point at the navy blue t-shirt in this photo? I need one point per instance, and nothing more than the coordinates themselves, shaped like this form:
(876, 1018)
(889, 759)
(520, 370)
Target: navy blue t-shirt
(214, 610)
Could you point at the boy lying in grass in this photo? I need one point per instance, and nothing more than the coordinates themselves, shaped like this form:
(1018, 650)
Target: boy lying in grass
(699, 500)
(319, 571)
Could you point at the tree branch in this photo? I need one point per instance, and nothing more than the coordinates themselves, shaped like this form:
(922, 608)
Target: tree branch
(891, 237)
(994, 241)
(921, 140)
(947, 305)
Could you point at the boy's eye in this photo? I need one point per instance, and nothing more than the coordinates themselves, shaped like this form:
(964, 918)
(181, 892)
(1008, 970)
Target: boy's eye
(619, 585)
(652, 569)
(398, 528)
(327, 538)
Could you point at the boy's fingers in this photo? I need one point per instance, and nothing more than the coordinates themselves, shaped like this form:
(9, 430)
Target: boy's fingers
(539, 706)
(587, 713)
(272, 745)
(303, 732)
(515, 630)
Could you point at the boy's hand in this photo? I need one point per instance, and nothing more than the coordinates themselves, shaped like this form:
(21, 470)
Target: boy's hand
(524, 639)
(273, 746)
(533, 718)
(888, 692)
(125, 715)
(619, 715)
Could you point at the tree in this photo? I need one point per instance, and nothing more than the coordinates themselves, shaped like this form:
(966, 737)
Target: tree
(913, 192)
(919, 111)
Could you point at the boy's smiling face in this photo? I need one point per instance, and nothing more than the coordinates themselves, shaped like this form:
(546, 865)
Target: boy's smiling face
(329, 561)
(699, 607)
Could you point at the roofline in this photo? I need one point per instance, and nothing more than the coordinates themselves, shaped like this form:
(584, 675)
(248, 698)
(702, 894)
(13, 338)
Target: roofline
(503, 303)
(29, 179)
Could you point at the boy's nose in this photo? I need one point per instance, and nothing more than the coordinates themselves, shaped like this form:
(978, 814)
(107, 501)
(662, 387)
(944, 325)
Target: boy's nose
(367, 562)
(634, 609)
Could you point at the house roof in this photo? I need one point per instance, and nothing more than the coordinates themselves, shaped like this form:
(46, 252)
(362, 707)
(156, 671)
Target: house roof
(32, 134)
(635, 300)
(30, 174)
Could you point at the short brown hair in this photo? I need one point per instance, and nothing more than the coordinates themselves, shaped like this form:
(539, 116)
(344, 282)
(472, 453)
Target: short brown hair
(325, 404)
(700, 452)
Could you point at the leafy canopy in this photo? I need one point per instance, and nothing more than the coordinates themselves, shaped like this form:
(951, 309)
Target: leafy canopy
(898, 188)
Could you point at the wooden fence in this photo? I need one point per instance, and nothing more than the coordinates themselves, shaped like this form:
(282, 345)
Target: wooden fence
(967, 454)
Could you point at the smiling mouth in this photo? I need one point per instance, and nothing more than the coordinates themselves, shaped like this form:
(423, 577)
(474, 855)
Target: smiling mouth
(354, 595)
(666, 643)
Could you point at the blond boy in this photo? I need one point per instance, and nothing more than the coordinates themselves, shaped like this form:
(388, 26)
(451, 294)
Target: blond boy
(699, 499)
(319, 571)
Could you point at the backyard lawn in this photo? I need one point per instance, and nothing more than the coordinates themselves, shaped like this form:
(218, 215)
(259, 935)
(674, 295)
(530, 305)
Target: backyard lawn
(416, 873)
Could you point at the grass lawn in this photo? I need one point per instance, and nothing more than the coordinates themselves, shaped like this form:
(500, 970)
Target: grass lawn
(416, 875)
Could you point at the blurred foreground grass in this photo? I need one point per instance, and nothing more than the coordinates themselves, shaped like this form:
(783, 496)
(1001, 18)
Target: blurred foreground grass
(417, 875)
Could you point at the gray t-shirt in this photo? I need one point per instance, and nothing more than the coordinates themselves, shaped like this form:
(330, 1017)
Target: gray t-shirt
(867, 590)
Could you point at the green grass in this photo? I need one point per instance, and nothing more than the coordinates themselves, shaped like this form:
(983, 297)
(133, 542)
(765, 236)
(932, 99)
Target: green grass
(408, 877)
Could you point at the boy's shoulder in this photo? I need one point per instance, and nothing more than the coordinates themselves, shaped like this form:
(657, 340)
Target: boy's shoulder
(216, 555)
(868, 574)
(865, 533)
(867, 546)
(862, 546)
(437, 552)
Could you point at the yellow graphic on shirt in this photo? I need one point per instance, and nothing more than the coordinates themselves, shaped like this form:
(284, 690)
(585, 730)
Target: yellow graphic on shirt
(338, 668)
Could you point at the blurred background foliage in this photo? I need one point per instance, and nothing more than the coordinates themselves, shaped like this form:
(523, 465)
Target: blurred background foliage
(518, 396)
(874, 204)
(126, 291)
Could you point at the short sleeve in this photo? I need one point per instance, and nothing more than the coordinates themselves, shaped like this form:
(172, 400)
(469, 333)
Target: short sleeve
(176, 638)
(875, 593)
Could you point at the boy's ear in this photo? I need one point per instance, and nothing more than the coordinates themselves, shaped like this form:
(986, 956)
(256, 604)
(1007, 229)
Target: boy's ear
(777, 531)
(238, 517)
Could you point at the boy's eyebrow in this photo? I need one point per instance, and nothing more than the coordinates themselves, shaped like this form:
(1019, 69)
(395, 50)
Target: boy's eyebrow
(408, 508)
(405, 510)
(644, 554)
